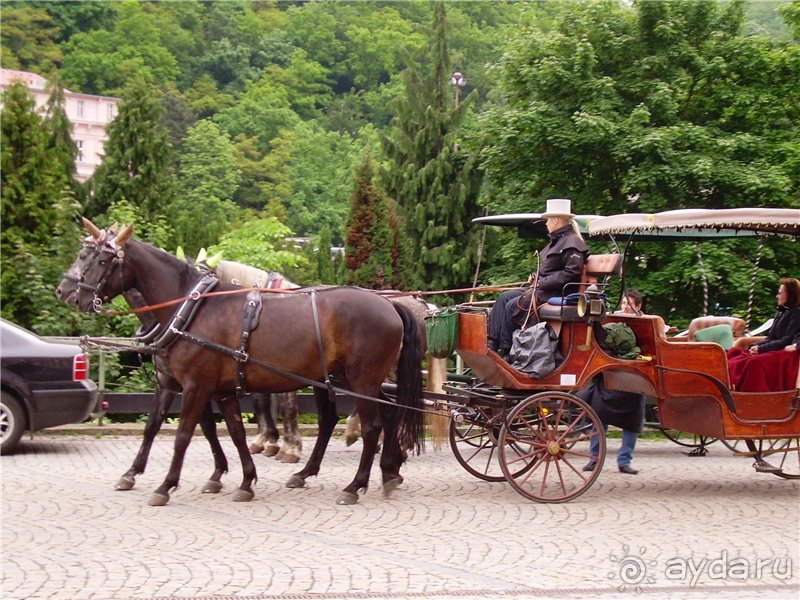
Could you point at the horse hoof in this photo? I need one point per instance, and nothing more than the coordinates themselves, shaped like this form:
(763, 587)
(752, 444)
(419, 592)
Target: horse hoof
(243, 496)
(290, 458)
(347, 498)
(158, 500)
(391, 485)
(296, 482)
(211, 487)
(271, 450)
(256, 448)
(349, 440)
(125, 483)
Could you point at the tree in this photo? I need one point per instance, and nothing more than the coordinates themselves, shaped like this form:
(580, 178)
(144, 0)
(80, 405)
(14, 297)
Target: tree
(38, 214)
(368, 242)
(654, 106)
(29, 40)
(60, 143)
(262, 243)
(207, 182)
(136, 166)
(434, 181)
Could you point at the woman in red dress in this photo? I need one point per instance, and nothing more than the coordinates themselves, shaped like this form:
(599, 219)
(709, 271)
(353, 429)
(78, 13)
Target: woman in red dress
(771, 365)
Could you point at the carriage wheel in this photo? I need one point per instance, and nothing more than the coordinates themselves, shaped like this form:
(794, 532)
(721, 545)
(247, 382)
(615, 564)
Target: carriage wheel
(474, 442)
(734, 446)
(688, 440)
(783, 453)
(544, 446)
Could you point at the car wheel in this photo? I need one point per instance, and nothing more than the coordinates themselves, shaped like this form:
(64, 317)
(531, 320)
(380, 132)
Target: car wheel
(12, 423)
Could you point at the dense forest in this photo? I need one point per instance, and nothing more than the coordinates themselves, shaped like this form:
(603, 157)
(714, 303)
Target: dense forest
(246, 125)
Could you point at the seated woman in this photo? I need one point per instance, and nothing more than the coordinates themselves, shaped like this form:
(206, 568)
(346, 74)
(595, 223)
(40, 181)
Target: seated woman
(561, 262)
(771, 365)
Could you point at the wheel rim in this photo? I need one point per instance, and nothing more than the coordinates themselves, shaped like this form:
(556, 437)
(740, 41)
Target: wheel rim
(688, 440)
(545, 444)
(6, 422)
(474, 443)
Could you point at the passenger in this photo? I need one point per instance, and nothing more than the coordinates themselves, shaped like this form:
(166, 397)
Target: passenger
(621, 409)
(771, 365)
(561, 262)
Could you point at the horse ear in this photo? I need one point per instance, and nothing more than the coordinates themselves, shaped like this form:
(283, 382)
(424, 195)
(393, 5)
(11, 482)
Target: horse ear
(123, 235)
(92, 228)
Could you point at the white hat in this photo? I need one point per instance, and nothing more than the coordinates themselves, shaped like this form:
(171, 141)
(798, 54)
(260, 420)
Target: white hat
(558, 207)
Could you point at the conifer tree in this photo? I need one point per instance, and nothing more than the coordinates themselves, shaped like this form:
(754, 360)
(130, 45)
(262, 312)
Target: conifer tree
(60, 143)
(434, 183)
(323, 261)
(368, 242)
(136, 166)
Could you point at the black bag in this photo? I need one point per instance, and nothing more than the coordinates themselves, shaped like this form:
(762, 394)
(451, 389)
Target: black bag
(535, 350)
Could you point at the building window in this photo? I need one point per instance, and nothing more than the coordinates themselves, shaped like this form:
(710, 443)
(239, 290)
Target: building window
(80, 108)
(79, 157)
(109, 112)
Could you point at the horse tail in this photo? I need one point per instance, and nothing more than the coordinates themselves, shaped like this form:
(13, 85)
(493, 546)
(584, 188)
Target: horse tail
(411, 426)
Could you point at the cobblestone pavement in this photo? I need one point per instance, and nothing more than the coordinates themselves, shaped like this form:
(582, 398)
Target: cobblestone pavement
(683, 528)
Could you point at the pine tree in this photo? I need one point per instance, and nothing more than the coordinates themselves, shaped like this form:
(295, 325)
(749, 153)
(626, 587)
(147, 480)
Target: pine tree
(323, 261)
(434, 182)
(60, 142)
(136, 166)
(36, 211)
(368, 242)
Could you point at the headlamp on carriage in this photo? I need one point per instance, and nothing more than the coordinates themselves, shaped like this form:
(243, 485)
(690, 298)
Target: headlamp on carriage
(591, 306)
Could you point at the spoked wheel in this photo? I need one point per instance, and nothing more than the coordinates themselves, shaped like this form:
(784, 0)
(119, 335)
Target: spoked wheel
(474, 442)
(734, 446)
(688, 440)
(780, 457)
(545, 445)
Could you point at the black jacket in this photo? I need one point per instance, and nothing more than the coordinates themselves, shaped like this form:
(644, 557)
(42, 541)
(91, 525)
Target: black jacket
(560, 262)
(784, 329)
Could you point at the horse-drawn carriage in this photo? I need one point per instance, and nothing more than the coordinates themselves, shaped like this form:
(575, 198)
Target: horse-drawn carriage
(534, 433)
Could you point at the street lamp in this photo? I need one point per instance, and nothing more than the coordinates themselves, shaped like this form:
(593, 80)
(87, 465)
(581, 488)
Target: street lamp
(458, 81)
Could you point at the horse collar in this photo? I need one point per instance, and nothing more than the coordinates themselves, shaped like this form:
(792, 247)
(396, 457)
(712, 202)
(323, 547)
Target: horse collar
(185, 313)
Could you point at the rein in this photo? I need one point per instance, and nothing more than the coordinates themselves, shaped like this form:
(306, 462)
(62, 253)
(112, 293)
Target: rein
(385, 293)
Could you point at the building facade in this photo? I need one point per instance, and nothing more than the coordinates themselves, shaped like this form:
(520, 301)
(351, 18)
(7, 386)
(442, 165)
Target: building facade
(88, 114)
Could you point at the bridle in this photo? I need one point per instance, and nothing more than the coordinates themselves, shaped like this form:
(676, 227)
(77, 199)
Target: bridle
(114, 256)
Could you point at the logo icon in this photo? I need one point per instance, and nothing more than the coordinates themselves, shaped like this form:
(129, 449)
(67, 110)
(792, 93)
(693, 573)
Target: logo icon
(632, 569)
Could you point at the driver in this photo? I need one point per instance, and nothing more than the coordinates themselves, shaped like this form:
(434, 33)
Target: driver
(561, 262)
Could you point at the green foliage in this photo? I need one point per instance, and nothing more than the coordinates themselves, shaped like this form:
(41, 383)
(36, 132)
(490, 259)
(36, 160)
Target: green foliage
(136, 166)
(262, 243)
(29, 40)
(656, 106)
(434, 181)
(207, 182)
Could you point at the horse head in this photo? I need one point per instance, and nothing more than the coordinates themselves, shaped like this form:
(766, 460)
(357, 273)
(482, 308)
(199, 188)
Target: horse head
(97, 275)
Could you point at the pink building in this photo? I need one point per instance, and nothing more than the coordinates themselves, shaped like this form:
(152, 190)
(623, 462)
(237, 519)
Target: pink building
(89, 116)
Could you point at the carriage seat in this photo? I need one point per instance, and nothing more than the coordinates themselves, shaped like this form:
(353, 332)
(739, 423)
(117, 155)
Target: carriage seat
(723, 330)
(598, 266)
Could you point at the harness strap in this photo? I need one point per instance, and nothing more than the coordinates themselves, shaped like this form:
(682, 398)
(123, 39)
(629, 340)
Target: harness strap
(185, 313)
(252, 311)
(327, 380)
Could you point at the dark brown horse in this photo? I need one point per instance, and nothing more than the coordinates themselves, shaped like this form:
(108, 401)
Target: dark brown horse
(166, 392)
(338, 338)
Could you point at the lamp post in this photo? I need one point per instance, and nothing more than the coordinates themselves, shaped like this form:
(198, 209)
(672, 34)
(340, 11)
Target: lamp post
(458, 81)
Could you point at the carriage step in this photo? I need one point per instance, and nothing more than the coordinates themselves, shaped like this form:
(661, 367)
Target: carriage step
(762, 466)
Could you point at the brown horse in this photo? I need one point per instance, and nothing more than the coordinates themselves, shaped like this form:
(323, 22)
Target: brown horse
(167, 391)
(337, 339)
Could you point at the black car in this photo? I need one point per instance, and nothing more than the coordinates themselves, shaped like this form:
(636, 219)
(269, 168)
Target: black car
(44, 384)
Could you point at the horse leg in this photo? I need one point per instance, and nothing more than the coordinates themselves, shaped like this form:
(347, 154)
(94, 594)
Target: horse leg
(162, 401)
(392, 455)
(193, 404)
(209, 427)
(371, 426)
(353, 428)
(326, 410)
(292, 440)
(261, 407)
(233, 419)
(272, 447)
